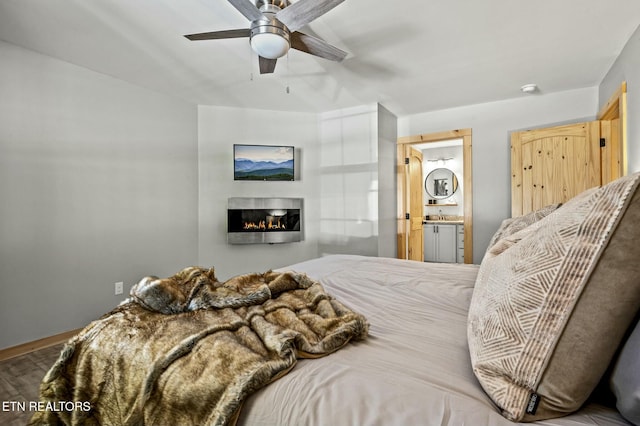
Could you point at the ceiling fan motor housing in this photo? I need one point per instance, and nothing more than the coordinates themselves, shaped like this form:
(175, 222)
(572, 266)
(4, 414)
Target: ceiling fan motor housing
(270, 28)
(279, 4)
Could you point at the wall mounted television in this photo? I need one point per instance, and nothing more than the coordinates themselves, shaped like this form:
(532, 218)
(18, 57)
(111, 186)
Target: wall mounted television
(263, 162)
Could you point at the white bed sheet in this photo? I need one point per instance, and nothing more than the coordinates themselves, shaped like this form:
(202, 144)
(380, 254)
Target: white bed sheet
(414, 369)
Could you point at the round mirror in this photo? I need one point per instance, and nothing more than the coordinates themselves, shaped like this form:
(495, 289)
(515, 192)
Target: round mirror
(441, 183)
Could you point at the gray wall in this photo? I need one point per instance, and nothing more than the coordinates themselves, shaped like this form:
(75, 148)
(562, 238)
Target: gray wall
(491, 124)
(387, 191)
(218, 129)
(98, 184)
(627, 68)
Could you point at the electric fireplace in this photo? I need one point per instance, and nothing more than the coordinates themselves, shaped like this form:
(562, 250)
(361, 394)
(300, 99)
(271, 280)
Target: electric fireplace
(264, 220)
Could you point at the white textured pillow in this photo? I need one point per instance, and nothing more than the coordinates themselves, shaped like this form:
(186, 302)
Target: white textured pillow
(548, 313)
(512, 225)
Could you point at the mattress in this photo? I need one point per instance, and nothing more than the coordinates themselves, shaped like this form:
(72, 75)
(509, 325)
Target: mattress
(414, 369)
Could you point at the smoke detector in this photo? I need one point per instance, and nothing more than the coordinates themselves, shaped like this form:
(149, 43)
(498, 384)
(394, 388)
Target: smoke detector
(529, 88)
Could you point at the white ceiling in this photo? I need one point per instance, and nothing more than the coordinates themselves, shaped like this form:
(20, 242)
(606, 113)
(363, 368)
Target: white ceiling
(411, 56)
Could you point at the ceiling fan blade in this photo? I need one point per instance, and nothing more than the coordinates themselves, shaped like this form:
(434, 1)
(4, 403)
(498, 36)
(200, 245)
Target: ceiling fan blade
(267, 66)
(302, 12)
(316, 47)
(219, 34)
(248, 9)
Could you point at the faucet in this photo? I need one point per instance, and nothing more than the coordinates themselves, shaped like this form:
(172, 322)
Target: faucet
(440, 217)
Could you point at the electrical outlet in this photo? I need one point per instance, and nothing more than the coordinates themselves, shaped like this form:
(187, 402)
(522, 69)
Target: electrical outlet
(119, 287)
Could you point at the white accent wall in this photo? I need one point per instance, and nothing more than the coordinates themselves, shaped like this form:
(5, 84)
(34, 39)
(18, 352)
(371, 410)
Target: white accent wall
(357, 181)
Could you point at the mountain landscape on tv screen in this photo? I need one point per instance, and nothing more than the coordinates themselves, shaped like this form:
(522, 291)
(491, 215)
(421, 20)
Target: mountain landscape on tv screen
(245, 169)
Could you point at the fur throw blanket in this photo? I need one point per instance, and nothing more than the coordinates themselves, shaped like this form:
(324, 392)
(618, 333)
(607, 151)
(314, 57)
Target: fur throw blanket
(188, 350)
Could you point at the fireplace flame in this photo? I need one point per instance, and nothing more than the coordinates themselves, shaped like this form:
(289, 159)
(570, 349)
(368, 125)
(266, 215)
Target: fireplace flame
(272, 223)
(257, 226)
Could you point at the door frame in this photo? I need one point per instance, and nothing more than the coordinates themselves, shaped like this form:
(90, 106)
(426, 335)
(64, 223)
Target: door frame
(415, 239)
(614, 162)
(467, 193)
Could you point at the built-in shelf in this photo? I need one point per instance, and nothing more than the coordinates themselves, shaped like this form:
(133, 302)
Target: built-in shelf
(440, 205)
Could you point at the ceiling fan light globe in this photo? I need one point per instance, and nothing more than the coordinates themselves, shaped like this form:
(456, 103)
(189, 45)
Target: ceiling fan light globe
(269, 45)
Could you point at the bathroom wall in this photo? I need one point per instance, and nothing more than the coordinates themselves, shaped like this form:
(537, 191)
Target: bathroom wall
(432, 158)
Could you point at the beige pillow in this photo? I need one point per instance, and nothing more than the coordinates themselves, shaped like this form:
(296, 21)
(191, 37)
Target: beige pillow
(512, 225)
(548, 314)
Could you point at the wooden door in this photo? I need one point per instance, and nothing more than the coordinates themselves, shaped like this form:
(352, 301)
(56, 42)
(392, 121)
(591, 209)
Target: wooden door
(552, 165)
(416, 205)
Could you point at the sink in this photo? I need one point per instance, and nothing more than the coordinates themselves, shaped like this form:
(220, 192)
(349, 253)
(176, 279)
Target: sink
(444, 219)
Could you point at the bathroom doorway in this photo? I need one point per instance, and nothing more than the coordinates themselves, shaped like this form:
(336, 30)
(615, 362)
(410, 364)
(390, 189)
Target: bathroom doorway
(405, 189)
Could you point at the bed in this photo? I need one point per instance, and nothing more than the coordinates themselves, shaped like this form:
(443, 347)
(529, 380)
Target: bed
(414, 369)
(412, 347)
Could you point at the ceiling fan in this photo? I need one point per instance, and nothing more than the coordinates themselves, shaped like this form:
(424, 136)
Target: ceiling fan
(274, 25)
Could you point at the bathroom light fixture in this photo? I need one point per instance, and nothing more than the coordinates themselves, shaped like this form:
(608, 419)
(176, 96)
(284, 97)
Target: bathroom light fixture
(529, 88)
(442, 160)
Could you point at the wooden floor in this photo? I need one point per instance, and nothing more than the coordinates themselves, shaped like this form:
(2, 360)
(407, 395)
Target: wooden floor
(19, 381)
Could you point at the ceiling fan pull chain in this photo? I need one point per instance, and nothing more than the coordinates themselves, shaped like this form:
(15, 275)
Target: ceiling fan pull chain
(288, 73)
(250, 63)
